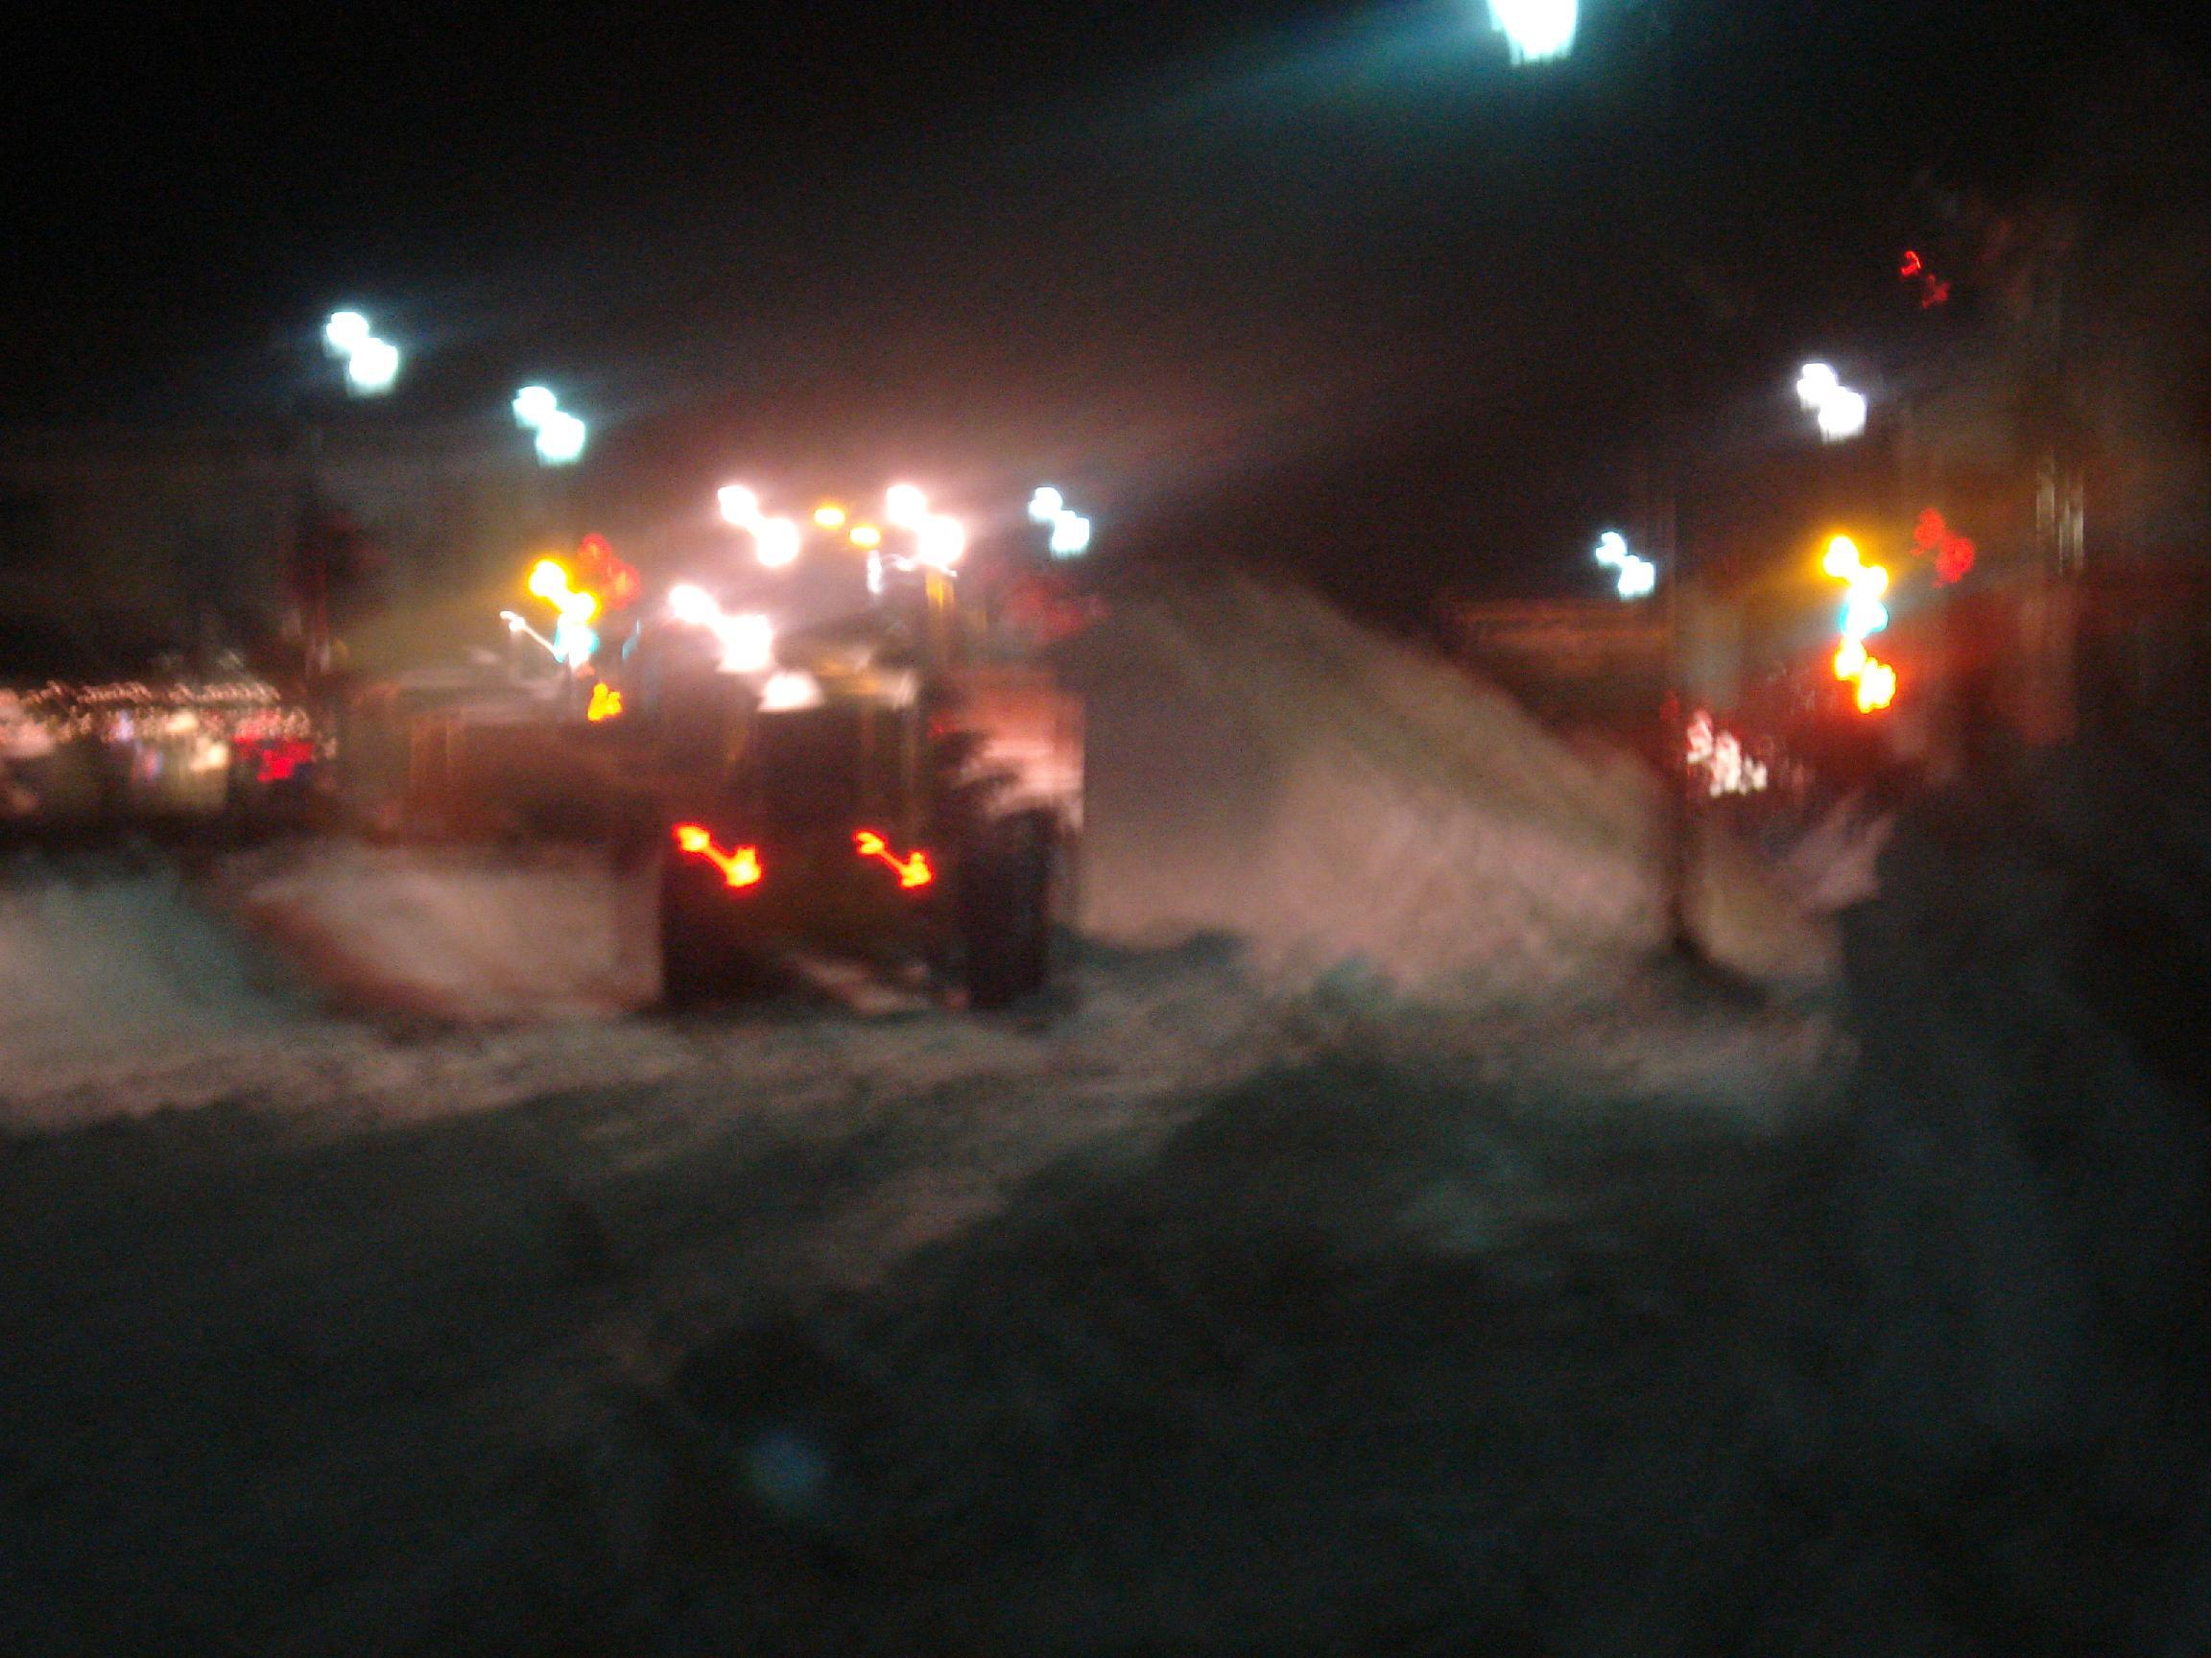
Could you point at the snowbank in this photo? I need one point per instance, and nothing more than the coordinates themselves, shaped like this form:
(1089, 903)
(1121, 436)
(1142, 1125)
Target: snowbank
(468, 935)
(106, 969)
(1261, 766)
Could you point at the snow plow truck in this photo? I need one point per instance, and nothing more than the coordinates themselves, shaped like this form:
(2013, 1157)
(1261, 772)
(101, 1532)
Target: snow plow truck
(827, 757)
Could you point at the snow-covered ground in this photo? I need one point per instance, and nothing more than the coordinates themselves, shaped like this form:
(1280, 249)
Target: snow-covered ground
(1406, 1262)
(1261, 766)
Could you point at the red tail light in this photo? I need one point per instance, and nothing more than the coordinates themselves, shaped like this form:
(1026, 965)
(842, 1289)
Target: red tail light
(740, 866)
(911, 870)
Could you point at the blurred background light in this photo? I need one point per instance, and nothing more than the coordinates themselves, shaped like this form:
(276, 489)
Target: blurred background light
(373, 367)
(1842, 415)
(532, 404)
(775, 541)
(1536, 31)
(344, 333)
(560, 438)
(905, 506)
(1070, 534)
(1817, 383)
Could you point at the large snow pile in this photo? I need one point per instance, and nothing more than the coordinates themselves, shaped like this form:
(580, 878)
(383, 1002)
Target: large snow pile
(109, 968)
(1261, 766)
(463, 934)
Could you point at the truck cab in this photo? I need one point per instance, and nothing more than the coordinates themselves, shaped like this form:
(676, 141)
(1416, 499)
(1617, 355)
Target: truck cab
(874, 798)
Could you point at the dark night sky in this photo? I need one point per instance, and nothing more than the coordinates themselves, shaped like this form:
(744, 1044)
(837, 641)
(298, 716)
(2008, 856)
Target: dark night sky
(1216, 270)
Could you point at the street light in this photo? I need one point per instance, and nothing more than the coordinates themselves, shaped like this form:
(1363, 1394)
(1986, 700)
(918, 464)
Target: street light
(372, 364)
(559, 435)
(940, 541)
(1536, 31)
(1839, 412)
(532, 405)
(739, 506)
(560, 438)
(1070, 533)
(373, 367)
(1639, 576)
(344, 333)
(905, 506)
(1817, 383)
(1843, 416)
(747, 642)
(775, 540)
(1070, 536)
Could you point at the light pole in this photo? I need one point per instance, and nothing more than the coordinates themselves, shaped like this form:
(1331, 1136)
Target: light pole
(371, 366)
(558, 438)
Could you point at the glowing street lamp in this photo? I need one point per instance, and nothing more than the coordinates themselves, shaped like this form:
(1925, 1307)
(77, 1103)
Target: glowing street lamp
(560, 436)
(372, 364)
(1638, 577)
(343, 334)
(1839, 412)
(372, 368)
(1070, 536)
(1843, 416)
(1070, 531)
(775, 540)
(1536, 31)
(1817, 383)
(532, 405)
(747, 642)
(940, 541)
(775, 543)
(906, 506)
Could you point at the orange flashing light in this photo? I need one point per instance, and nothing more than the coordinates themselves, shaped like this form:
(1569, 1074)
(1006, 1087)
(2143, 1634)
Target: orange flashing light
(606, 703)
(1877, 686)
(912, 870)
(740, 866)
(1873, 681)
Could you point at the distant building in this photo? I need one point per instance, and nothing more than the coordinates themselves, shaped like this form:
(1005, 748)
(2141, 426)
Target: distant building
(1574, 662)
(118, 544)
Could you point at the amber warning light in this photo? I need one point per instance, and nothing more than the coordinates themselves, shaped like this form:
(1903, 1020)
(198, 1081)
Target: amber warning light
(740, 866)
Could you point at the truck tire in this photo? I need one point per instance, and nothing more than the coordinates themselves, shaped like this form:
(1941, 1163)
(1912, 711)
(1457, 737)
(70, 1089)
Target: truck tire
(1006, 910)
(704, 941)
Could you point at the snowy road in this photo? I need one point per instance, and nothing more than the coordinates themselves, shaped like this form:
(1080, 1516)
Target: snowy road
(315, 1320)
(1430, 1273)
(1211, 1314)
